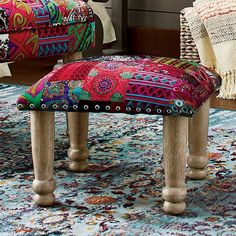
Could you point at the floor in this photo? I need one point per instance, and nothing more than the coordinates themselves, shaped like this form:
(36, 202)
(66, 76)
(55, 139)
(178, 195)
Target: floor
(125, 177)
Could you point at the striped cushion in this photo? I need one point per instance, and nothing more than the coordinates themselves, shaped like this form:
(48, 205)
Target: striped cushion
(123, 84)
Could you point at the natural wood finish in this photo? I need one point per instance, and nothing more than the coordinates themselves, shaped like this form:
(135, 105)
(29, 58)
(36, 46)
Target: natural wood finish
(175, 147)
(224, 104)
(150, 41)
(70, 57)
(42, 138)
(198, 133)
(78, 133)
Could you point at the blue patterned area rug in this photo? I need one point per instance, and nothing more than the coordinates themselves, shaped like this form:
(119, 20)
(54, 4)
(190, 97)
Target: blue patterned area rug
(125, 176)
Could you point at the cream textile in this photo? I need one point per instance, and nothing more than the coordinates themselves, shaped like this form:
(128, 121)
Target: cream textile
(213, 26)
(4, 70)
(108, 29)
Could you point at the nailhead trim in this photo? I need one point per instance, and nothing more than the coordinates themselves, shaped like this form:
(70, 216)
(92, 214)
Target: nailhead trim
(108, 108)
(97, 107)
(117, 108)
(65, 106)
(20, 106)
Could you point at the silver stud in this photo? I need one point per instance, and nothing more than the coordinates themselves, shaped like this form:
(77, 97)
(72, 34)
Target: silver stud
(148, 110)
(54, 106)
(65, 106)
(97, 107)
(20, 106)
(138, 109)
(168, 111)
(75, 107)
(128, 109)
(43, 106)
(86, 107)
(159, 110)
(31, 106)
(117, 108)
(108, 108)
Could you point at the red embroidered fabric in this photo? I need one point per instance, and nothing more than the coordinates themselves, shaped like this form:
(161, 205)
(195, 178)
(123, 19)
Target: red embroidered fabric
(41, 28)
(23, 15)
(151, 85)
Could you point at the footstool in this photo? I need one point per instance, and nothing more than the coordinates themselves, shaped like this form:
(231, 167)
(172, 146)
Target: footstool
(41, 28)
(169, 87)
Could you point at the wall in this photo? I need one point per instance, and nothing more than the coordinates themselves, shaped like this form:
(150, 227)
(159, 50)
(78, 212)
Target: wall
(162, 14)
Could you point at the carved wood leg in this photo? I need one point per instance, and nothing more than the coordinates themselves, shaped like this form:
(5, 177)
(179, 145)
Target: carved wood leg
(43, 138)
(78, 132)
(198, 133)
(175, 147)
(77, 128)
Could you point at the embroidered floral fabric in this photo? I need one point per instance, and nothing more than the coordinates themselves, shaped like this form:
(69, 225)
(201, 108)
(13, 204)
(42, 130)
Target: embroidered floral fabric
(38, 28)
(123, 84)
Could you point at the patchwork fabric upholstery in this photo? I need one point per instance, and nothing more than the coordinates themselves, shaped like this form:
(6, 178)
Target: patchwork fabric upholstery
(39, 28)
(151, 85)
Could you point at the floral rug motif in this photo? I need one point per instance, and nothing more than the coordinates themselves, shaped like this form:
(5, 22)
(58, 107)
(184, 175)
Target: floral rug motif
(120, 194)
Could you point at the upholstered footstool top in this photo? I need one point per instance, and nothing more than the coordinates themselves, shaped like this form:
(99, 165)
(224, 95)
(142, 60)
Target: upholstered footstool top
(123, 84)
(39, 28)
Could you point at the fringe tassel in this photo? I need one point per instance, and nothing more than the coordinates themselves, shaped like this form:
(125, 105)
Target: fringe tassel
(228, 87)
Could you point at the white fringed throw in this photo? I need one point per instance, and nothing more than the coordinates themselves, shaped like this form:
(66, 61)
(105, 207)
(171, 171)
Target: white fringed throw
(213, 26)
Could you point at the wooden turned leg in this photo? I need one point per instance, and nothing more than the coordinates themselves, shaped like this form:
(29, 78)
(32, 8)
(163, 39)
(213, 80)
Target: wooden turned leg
(78, 132)
(175, 147)
(198, 133)
(43, 138)
(67, 125)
